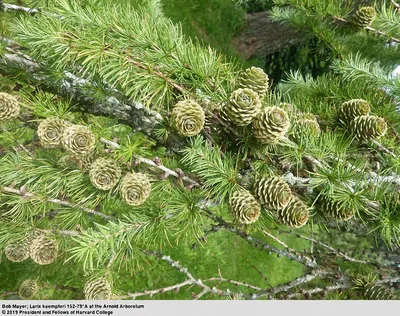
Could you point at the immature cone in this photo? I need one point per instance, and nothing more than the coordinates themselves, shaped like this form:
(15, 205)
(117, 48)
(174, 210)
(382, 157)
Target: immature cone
(363, 17)
(17, 251)
(104, 173)
(306, 126)
(256, 79)
(367, 127)
(44, 250)
(367, 287)
(72, 161)
(79, 140)
(351, 109)
(28, 289)
(244, 207)
(135, 188)
(51, 130)
(98, 289)
(242, 107)
(376, 292)
(188, 117)
(295, 214)
(271, 125)
(9, 107)
(274, 193)
(336, 210)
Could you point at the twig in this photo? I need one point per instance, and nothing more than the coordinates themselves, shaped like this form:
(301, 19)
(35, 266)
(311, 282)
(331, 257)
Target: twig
(383, 148)
(160, 290)
(21, 8)
(56, 201)
(339, 253)
(395, 4)
(261, 244)
(371, 29)
(153, 164)
(8, 293)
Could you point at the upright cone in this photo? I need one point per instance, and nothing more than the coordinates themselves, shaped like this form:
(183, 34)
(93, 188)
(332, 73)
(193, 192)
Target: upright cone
(44, 250)
(368, 127)
(256, 79)
(104, 173)
(242, 107)
(51, 130)
(79, 140)
(244, 207)
(271, 125)
(188, 117)
(349, 110)
(17, 251)
(336, 210)
(274, 193)
(99, 289)
(28, 289)
(135, 188)
(9, 107)
(363, 17)
(295, 214)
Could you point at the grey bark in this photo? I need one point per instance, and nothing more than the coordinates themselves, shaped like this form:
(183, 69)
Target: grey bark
(128, 112)
(261, 36)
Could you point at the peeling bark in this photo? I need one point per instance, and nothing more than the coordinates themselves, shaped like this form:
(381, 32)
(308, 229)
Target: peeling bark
(262, 36)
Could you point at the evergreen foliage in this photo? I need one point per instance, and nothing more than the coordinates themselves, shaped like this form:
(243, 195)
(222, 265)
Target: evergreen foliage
(83, 190)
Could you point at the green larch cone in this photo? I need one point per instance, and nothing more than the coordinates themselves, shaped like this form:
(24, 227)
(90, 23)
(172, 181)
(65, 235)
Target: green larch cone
(306, 126)
(44, 250)
(17, 251)
(78, 140)
(366, 286)
(99, 289)
(376, 292)
(244, 207)
(135, 188)
(295, 214)
(271, 125)
(28, 289)
(349, 110)
(336, 210)
(254, 78)
(274, 193)
(242, 107)
(363, 17)
(72, 161)
(9, 107)
(188, 117)
(51, 130)
(367, 127)
(104, 173)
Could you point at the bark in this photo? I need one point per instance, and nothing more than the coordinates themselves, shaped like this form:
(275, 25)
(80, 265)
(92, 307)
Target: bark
(131, 113)
(262, 36)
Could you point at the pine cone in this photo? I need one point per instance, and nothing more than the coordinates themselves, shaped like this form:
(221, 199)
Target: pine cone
(367, 287)
(351, 109)
(256, 79)
(306, 126)
(50, 131)
(104, 173)
(135, 188)
(79, 140)
(28, 289)
(243, 106)
(9, 107)
(44, 250)
(17, 251)
(98, 289)
(295, 214)
(271, 125)
(244, 207)
(363, 17)
(367, 127)
(336, 210)
(274, 193)
(376, 292)
(72, 161)
(188, 117)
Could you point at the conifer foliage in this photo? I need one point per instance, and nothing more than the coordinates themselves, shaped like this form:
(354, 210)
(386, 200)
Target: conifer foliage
(124, 145)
